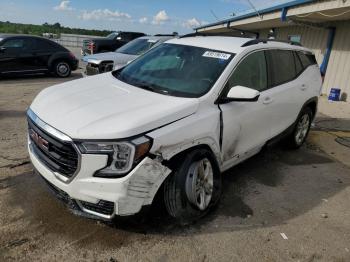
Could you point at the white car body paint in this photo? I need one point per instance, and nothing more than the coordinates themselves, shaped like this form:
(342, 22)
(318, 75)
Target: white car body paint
(104, 108)
(93, 106)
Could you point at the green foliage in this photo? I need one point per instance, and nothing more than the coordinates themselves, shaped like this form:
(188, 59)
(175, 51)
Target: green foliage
(56, 28)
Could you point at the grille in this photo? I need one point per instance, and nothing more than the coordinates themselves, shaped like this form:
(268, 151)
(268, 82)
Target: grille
(104, 67)
(102, 207)
(57, 155)
(92, 69)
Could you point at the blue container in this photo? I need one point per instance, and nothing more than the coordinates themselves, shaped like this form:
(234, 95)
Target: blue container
(334, 94)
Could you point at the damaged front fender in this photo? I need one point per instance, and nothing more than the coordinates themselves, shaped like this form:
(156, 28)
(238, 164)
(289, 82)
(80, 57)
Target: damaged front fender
(142, 186)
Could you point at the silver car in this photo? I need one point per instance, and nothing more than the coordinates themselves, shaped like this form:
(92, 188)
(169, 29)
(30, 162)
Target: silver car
(105, 62)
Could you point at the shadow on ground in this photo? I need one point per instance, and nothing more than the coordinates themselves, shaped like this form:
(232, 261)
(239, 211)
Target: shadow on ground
(269, 189)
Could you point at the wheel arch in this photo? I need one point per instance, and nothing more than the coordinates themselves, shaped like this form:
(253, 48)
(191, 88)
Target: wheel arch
(312, 104)
(179, 156)
(58, 57)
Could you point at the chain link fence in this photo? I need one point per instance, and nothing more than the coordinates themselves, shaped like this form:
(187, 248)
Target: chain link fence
(69, 40)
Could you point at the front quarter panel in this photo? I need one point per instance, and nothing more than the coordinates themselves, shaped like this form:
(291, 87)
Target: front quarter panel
(200, 128)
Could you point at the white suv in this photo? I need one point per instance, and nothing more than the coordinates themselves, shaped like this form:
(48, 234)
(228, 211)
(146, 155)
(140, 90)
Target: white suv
(171, 122)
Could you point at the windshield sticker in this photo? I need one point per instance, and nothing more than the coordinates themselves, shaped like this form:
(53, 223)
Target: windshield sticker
(217, 55)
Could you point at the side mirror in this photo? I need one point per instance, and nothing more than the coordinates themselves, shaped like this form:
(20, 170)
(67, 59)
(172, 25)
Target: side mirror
(2, 49)
(242, 94)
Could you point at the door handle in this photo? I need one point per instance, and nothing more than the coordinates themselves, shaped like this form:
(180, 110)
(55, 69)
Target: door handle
(267, 100)
(303, 87)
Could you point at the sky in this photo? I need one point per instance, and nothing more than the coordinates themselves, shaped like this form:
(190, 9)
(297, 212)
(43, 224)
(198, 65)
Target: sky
(149, 16)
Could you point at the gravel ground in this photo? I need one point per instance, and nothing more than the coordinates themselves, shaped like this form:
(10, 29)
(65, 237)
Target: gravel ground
(278, 206)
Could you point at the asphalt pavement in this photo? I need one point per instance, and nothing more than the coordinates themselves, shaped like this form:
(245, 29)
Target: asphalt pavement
(280, 205)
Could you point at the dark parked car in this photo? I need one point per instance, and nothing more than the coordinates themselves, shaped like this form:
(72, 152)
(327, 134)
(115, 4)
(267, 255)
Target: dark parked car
(109, 43)
(24, 54)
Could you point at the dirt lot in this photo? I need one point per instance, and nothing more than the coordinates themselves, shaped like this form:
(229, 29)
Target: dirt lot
(304, 194)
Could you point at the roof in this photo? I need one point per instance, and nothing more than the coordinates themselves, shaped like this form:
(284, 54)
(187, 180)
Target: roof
(222, 43)
(151, 37)
(261, 12)
(20, 35)
(229, 43)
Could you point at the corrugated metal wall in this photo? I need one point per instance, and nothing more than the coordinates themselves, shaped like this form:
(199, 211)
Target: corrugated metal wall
(338, 71)
(313, 38)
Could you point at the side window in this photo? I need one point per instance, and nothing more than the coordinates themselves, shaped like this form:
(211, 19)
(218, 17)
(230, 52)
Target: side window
(14, 43)
(281, 66)
(307, 59)
(43, 45)
(29, 44)
(134, 36)
(251, 72)
(298, 66)
(125, 36)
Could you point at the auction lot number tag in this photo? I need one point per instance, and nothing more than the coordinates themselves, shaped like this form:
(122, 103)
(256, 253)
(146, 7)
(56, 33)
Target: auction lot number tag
(217, 55)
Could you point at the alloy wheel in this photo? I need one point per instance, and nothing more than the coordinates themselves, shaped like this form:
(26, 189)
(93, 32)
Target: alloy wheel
(199, 183)
(302, 129)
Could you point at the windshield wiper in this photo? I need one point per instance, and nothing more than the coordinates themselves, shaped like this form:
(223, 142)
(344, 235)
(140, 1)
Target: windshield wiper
(153, 88)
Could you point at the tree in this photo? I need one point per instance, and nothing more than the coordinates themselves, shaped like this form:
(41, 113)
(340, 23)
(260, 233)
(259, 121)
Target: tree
(57, 25)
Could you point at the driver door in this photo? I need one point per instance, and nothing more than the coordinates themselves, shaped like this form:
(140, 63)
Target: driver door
(9, 55)
(246, 125)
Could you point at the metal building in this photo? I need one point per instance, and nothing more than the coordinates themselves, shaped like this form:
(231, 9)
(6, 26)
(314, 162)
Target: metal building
(323, 26)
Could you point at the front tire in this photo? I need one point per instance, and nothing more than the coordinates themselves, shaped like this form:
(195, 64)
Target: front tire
(301, 129)
(62, 69)
(194, 187)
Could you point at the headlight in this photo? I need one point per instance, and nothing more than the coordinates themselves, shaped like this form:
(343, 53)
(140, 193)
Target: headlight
(122, 156)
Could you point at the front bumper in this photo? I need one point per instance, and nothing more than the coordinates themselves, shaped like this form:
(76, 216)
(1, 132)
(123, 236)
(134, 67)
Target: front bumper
(128, 194)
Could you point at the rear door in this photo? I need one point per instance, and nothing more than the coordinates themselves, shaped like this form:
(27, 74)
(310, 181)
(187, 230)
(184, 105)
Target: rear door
(9, 55)
(283, 93)
(26, 57)
(42, 52)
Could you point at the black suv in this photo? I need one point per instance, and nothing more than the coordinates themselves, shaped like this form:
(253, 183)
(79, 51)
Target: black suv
(109, 43)
(25, 54)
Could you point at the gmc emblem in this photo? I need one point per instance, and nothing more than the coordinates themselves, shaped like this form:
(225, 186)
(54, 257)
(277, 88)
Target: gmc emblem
(38, 140)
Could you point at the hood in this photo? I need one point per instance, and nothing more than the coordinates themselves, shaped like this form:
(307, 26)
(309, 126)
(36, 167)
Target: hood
(102, 107)
(117, 58)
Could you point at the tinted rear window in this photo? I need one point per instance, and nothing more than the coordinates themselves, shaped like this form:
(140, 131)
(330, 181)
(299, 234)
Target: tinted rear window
(44, 45)
(281, 66)
(307, 59)
(298, 66)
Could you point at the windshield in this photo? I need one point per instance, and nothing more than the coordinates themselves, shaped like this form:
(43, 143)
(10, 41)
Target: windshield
(112, 35)
(137, 46)
(176, 70)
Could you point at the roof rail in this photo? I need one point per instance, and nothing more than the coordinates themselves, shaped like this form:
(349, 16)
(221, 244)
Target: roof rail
(166, 35)
(212, 34)
(264, 41)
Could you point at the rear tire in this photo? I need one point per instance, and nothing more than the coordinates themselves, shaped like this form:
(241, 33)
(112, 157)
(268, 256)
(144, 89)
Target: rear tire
(62, 69)
(301, 129)
(194, 187)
